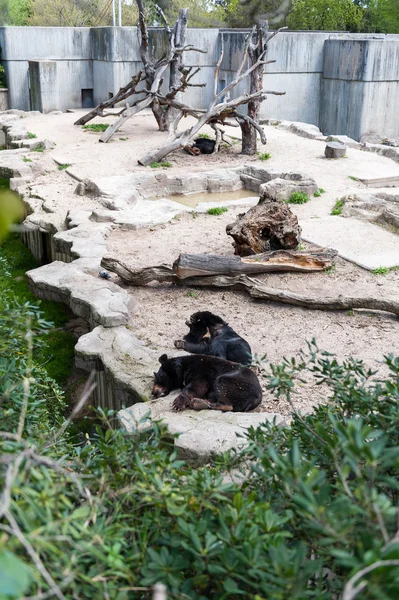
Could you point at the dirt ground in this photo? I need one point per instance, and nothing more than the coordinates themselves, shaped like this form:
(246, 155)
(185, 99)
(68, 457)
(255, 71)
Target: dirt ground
(273, 329)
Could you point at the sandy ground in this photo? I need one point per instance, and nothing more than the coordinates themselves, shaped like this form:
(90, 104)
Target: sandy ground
(276, 330)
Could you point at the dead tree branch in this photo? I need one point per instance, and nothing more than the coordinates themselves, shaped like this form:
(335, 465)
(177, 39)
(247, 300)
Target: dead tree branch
(255, 288)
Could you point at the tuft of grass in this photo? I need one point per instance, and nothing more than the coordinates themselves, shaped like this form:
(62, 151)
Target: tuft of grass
(350, 313)
(337, 209)
(354, 178)
(264, 156)
(31, 135)
(204, 135)
(319, 192)
(192, 294)
(380, 271)
(123, 139)
(39, 148)
(64, 166)
(26, 159)
(301, 246)
(298, 198)
(97, 127)
(217, 210)
(157, 165)
(2, 148)
(331, 270)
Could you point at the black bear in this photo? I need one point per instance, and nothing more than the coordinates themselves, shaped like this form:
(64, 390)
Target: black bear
(207, 382)
(204, 145)
(223, 341)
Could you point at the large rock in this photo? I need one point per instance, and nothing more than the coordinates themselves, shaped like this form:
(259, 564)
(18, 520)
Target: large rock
(97, 301)
(335, 150)
(203, 435)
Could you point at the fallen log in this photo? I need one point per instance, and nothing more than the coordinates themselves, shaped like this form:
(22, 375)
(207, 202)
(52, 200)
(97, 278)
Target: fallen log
(202, 265)
(255, 288)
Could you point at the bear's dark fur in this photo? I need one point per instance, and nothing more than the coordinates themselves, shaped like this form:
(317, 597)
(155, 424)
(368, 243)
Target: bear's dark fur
(204, 145)
(223, 342)
(207, 382)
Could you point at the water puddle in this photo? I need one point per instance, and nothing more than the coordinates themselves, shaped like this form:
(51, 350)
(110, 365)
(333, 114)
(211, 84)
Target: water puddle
(193, 199)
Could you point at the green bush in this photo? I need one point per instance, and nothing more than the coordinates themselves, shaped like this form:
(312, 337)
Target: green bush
(298, 198)
(116, 512)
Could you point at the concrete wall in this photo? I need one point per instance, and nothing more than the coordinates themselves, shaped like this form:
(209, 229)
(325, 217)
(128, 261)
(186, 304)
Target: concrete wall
(344, 83)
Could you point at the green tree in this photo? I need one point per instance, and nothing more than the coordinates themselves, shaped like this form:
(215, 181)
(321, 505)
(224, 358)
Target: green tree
(323, 15)
(15, 12)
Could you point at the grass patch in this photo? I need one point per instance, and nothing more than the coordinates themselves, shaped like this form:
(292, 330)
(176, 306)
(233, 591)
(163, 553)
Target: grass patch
(204, 135)
(301, 246)
(25, 159)
(353, 178)
(380, 271)
(192, 294)
(2, 148)
(123, 139)
(337, 209)
(158, 165)
(331, 270)
(31, 135)
(39, 148)
(264, 155)
(64, 166)
(97, 127)
(319, 192)
(56, 353)
(298, 198)
(217, 210)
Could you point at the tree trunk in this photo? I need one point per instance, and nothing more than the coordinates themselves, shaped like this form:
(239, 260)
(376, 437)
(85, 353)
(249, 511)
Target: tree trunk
(248, 133)
(202, 265)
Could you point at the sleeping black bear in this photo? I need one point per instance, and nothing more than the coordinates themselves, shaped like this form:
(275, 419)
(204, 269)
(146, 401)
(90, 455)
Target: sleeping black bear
(207, 382)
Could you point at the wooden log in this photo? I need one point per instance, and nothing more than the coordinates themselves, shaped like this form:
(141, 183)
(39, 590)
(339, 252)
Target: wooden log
(203, 265)
(255, 288)
(335, 150)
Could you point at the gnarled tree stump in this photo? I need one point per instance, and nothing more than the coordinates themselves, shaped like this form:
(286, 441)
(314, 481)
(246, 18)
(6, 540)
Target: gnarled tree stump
(266, 226)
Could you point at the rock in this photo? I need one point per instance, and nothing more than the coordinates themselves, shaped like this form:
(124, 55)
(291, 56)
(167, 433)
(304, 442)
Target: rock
(344, 139)
(335, 150)
(123, 363)
(203, 435)
(97, 301)
(281, 189)
(306, 130)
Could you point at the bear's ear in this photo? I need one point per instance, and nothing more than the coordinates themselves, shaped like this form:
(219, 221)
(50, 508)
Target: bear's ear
(163, 359)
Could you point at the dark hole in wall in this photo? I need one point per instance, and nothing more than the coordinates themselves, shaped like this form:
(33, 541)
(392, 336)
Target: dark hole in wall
(87, 98)
(110, 95)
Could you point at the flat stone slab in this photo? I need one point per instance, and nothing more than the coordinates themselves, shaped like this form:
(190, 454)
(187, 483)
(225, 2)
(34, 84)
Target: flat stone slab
(365, 244)
(380, 182)
(96, 300)
(203, 435)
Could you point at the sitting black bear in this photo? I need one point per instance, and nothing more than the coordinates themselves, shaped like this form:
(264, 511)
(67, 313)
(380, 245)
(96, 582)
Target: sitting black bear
(223, 341)
(207, 383)
(204, 145)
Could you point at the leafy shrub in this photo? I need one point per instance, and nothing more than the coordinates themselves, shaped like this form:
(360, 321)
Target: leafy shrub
(96, 127)
(264, 155)
(338, 206)
(318, 507)
(217, 210)
(158, 165)
(31, 135)
(298, 198)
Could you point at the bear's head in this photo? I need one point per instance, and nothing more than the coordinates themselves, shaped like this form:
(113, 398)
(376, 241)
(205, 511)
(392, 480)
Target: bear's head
(165, 378)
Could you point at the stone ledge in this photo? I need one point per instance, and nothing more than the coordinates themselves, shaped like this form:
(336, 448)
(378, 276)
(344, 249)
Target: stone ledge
(202, 435)
(96, 300)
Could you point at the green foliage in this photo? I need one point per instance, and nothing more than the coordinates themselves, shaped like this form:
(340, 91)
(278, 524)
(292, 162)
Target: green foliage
(18, 12)
(31, 135)
(39, 148)
(319, 192)
(192, 294)
(342, 15)
(298, 198)
(158, 165)
(55, 347)
(64, 166)
(264, 155)
(317, 506)
(26, 159)
(338, 206)
(353, 178)
(204, 136)
(380, 271)
(3, 80)
(124, 139)
(217, 210)
(96, 127)
(12, 209)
